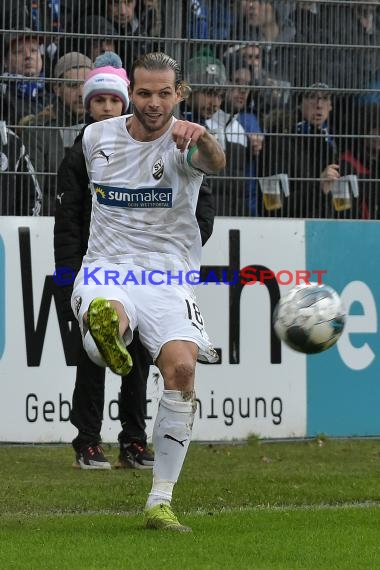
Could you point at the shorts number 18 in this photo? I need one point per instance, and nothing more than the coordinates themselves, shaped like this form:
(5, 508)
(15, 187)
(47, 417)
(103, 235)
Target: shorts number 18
(194, 312)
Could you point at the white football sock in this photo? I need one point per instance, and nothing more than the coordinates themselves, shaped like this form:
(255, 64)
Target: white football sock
(171, 439)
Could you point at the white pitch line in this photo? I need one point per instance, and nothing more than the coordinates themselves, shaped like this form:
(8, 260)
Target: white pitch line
(282, 508)
(203, 512)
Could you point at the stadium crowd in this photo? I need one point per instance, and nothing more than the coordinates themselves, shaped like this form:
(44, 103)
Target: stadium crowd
(288, 87)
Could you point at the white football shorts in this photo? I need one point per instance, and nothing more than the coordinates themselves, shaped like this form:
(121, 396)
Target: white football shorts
(161, 311)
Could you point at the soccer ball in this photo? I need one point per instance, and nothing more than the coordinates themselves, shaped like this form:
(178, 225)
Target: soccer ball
(310, 318)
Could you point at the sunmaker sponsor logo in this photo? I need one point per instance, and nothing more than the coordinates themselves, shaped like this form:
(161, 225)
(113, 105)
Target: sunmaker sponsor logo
(134, 198)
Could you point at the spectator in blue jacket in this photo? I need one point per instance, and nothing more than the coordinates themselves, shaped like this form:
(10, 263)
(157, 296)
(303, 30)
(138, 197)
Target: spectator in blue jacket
(22, 89)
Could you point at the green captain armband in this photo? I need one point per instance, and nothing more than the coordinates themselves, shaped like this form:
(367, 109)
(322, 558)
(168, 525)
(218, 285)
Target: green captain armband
(190, 154)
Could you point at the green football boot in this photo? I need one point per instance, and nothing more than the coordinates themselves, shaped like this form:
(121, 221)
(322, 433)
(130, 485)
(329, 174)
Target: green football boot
(103, 324)
(161, 517)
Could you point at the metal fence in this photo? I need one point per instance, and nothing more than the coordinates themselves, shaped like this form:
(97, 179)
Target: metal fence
(289, 88)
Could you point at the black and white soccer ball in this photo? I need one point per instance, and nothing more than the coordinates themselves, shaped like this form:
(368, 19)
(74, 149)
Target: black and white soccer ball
(309, 318)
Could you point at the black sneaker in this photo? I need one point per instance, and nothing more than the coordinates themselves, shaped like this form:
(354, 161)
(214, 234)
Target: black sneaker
(91, 457)
(134, 456)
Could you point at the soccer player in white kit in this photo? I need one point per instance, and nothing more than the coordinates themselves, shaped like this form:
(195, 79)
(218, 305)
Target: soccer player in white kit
(145, 172)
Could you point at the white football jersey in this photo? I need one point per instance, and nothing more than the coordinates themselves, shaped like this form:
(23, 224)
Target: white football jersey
(144, 197)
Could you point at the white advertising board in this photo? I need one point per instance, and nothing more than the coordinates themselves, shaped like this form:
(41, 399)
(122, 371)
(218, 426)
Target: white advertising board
(258, 388)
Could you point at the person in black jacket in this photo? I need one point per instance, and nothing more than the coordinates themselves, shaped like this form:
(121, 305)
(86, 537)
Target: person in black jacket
(71, 231)
(362, 158)
(302, 145)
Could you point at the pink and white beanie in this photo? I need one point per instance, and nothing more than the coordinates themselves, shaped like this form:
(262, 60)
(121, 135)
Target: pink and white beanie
(107, 78)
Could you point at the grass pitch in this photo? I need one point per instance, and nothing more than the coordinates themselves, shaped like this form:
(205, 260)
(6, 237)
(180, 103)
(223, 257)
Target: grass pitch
(307, 505)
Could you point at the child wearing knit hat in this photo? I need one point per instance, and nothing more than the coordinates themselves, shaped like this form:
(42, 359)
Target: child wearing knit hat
(107, 78)
(105, 96)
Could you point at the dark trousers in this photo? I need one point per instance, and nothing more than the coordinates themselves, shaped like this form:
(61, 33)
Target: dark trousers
(88, 398)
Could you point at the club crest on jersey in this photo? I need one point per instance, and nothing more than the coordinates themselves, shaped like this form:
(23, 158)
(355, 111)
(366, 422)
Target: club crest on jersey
(134, 197)
(158, 169)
